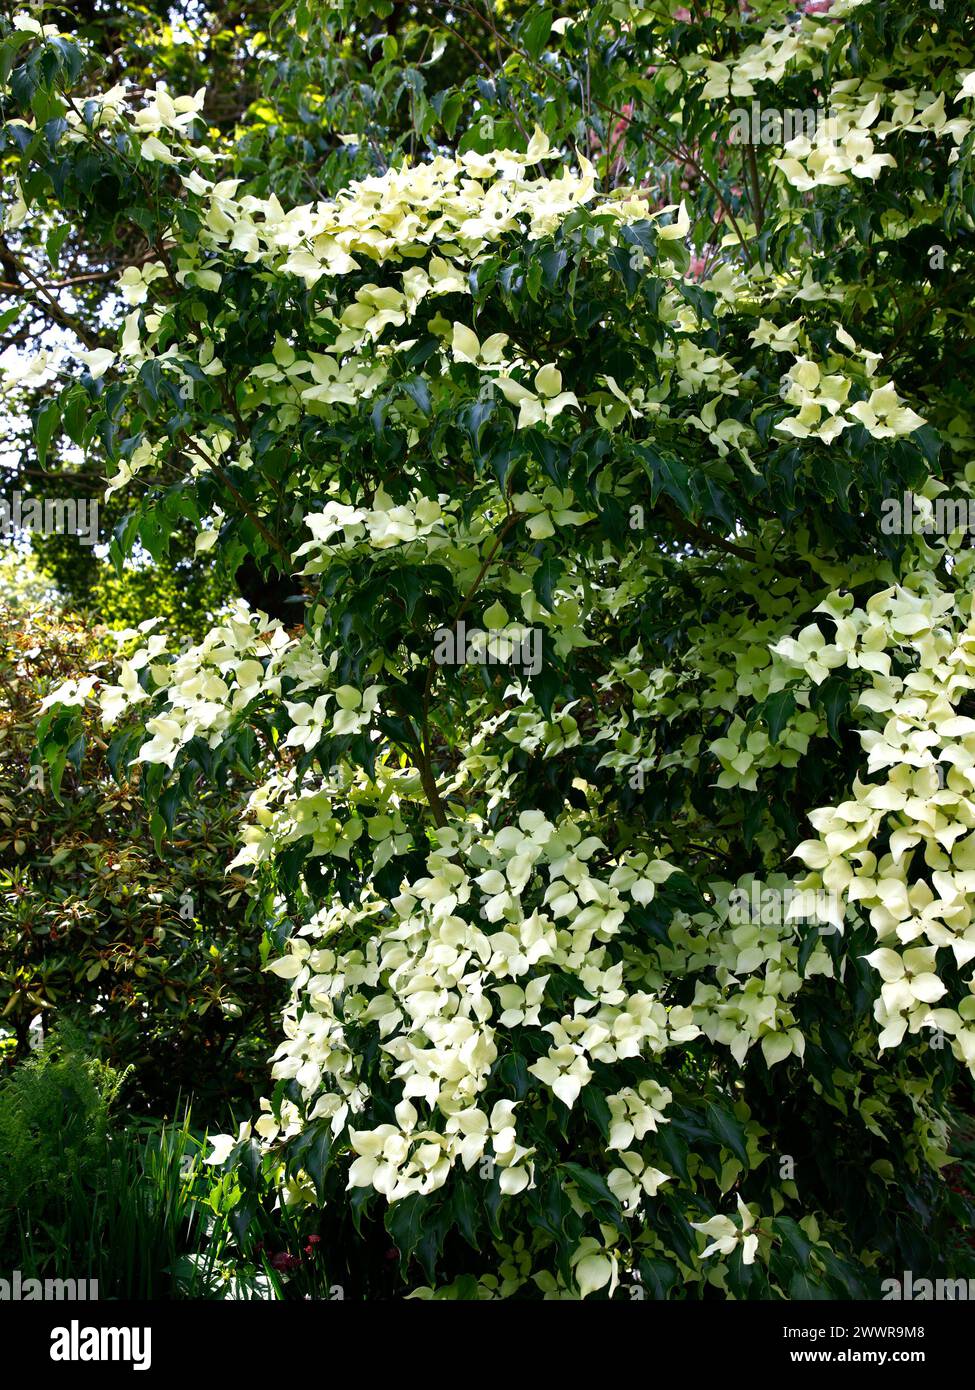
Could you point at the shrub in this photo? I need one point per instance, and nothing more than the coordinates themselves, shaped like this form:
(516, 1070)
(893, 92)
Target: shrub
(158, 960)
(83, 1199)
(53, 1131)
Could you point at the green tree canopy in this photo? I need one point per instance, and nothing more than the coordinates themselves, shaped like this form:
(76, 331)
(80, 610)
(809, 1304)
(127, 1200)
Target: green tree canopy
(588, 390)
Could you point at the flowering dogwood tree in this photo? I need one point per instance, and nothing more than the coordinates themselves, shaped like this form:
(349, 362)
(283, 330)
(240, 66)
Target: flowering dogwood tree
(582, 360)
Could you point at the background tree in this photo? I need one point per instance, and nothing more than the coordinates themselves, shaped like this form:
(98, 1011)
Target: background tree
(156, 962)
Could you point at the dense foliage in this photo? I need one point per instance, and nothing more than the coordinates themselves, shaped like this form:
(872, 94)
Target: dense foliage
(629, 951)
(158, 960)
(85, 1197)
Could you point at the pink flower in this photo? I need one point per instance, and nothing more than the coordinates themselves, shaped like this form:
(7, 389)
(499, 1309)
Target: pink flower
(285, 1263)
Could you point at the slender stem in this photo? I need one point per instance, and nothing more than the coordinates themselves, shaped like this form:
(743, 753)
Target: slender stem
(757, 199)
(424, 764)
(248, 511)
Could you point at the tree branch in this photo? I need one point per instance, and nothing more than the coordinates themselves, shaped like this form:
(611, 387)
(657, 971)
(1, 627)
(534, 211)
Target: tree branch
(18, 270)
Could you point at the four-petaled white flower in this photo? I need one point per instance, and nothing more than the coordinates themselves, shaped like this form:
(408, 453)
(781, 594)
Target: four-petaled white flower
(725, 1235)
